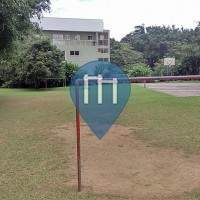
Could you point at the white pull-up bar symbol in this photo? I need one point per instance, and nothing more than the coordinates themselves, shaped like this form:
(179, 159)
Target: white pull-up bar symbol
(100, 81)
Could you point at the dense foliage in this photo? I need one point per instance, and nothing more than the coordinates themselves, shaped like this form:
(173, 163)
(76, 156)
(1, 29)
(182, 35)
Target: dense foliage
(123, 54)
(150, 45)
(139, 70)
(15, 19)
(69, 70)
(32, 62)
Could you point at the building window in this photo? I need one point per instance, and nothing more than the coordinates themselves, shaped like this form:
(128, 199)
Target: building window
(103, 42)
(58, 36)
(102, 59)
(100, 42)
(71, 53)
(103, 50)
(74, 53)
(67, 37)
(77, 37)
(57, 39)
(100, 50)
(101, 37)
(105, 36)
(90, 37)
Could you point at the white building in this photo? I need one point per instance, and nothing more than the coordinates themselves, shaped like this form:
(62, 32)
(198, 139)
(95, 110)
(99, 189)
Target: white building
(83, 40)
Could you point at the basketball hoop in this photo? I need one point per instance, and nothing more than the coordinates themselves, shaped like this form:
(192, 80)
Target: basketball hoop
(169, 62)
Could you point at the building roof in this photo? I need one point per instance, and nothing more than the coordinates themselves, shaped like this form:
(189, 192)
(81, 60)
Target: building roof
(70, 24)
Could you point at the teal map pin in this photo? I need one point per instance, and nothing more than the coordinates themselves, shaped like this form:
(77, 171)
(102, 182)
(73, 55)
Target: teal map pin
(103, 91)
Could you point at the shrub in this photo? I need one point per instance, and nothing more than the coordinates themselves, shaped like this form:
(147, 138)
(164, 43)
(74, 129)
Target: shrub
(69, 70)
(138, 70)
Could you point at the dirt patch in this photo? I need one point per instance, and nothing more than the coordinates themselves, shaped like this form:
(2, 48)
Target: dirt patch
(121, 165)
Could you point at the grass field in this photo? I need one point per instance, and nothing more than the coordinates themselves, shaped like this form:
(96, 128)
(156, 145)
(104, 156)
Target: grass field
(34, 163)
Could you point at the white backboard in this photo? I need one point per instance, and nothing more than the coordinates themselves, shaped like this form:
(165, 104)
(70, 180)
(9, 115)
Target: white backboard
(169, 61)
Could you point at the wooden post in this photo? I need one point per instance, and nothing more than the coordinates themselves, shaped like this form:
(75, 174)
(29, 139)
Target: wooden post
(65, 82)
(145, 83)
(46, 84)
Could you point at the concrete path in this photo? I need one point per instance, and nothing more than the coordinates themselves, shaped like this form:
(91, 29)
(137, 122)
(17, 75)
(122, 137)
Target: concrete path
(176, 89)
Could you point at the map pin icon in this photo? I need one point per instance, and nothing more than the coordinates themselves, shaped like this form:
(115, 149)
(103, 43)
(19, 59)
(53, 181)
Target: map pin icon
(104, 90)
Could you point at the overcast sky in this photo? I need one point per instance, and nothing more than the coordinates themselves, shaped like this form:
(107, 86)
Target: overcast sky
(120, 16)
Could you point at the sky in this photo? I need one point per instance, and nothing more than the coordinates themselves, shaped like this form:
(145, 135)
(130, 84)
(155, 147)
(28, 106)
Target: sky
(121, 16)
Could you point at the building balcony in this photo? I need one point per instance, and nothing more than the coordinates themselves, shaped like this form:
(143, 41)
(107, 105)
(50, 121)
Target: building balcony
(61, 42)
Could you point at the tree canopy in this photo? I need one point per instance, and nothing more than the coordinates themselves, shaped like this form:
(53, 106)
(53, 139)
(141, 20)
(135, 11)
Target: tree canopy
(123, 54)
(151, 44)
(33, 61)
(15, 19)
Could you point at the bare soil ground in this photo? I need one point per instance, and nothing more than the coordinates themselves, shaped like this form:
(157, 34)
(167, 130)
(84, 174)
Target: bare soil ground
(176, 89)
(121, 165)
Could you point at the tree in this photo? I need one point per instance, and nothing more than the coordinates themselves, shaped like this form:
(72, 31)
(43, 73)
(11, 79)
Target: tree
(123, 55)
(15, 19)
(36, 60)
(139, 30)
(157, 42)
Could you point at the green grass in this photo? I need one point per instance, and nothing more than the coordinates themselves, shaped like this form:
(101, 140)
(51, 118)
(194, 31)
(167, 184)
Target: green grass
(166, 120)
(34, 163)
